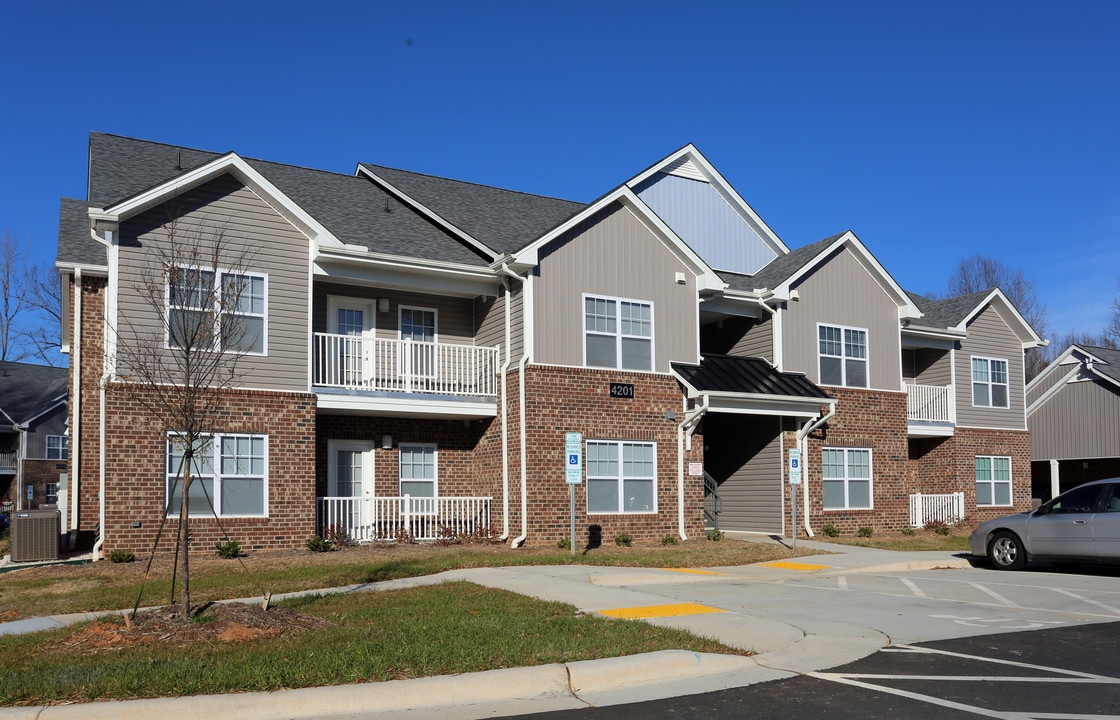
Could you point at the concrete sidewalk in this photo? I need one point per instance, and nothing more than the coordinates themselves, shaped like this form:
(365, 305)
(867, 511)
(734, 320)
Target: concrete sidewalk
(781, 650)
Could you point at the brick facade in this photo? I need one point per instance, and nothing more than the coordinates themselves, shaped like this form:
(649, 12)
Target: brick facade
(37, 473)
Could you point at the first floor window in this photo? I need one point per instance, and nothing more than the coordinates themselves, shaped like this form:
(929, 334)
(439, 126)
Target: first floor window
(228, 475)
(993, 480)
(58, 447)
(621, 477)
(846, 478)
(989, 382)
(418, 470)
(51, 495)
(617, 333)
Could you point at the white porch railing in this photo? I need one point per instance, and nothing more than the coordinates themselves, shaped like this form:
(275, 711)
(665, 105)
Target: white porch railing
(8, 460)
(359, 362)
(367, 519)
(930, 403)
(948, 508)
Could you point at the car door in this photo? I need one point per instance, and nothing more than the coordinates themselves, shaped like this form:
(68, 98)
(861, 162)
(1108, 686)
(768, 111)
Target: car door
(1106, 525)
(1063, 528)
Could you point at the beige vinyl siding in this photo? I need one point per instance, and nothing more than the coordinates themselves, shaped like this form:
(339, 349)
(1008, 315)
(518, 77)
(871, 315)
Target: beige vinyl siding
(490, 319)
(738, 336)
(1049, 379)
(612, 255)
(454, 316)
(225, 208)
(842, 292)
(927, 366)
(1080, 421)
(54, 423)
(748, 470)
(990, 336)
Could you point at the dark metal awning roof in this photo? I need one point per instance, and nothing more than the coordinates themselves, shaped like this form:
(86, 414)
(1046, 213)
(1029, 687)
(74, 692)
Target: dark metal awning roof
(752, 386)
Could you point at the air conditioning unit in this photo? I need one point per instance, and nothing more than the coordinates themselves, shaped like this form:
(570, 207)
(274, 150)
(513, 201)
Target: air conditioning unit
(35, 535)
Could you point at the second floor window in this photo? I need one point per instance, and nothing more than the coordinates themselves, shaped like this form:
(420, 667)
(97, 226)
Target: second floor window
(843, 355)
(216, 310)
(58, 447)
(989, 382)
(617, 333)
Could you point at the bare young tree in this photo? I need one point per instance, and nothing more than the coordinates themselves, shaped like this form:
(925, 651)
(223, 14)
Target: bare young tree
(13, 299)
(1112, 328)
(182, 353)
(980, 272)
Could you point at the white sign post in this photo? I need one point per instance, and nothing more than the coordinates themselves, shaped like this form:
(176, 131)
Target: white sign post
(794, 481)
(573, 475)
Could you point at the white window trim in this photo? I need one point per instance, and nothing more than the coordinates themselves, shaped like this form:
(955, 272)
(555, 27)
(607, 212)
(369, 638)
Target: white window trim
(844, 358)
(47, 492)
(992, 481)
(622, 478)
(973, 382)
(618, 332)
(435, 320)
(847, 479)
(216, 460)
(365, 448)
(435, 465)
(63, 448)
(218, 274)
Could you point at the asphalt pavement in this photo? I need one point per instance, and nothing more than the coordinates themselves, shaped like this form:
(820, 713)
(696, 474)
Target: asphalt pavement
(787, 632)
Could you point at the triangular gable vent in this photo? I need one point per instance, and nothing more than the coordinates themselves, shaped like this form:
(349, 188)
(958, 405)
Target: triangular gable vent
(686, 169)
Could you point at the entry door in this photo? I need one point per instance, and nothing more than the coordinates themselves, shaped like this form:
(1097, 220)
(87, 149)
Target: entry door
(354, 319)
(350, 482)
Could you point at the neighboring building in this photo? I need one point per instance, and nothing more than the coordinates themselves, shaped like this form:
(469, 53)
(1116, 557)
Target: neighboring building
(1074, 415)
(430, 339)
(34, 444)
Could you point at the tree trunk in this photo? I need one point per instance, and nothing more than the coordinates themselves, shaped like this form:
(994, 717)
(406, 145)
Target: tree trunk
(184, 512)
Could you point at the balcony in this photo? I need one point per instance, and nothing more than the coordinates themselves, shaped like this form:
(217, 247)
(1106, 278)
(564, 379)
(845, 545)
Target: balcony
(404, 377)
(931, 410)
(8, 461)
(378, 519)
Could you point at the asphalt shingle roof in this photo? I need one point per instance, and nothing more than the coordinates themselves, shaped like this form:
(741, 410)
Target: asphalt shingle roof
(948, 312)
(1110, 356)
(725, 373)
(27, 390)
(74, 243)
(780, 269)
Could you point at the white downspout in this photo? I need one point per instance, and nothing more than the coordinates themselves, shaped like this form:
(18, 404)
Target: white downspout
(685, 429)
(775, 333)
(76, 404)
(505, 413)
(525, 320)
(802, 445)
(100, 544)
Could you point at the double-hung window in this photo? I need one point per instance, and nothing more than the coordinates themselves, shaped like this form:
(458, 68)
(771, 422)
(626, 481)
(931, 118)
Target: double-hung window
(993, 480)
(846, 478)
(418, 475)
(989, 382)
(617, 333)
(843, 355)
(621, 477)
(58, 447)
(229, 473)
(216, 310)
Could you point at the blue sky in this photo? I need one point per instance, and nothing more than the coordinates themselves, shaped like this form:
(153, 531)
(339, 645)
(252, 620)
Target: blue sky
(933, 130)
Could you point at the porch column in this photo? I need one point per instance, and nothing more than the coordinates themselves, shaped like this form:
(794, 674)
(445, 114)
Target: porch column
(1054, 484)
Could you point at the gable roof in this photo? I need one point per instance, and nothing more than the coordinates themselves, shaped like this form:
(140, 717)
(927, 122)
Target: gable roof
(26, 391)
(782, 269)
(957, 312)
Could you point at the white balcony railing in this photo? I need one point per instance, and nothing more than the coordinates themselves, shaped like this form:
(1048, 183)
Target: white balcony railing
(930, 403)
(947, 508)
(360, 362)
(8, 460)
(368, 519)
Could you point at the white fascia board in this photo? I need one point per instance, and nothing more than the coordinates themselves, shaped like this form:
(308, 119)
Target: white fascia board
(732, 305)
(233, 164)
(917, 336)
(87, 269)
(706, 277)
(1024, 331)
(1066, 358)
(753, 404)
(721, 186)
(435, 408)
(406, 273)
(1053, 390)
(424, 210)
(60, 400)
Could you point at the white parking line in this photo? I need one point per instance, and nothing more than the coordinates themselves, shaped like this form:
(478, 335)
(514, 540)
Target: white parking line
(1087, 600)
(994, 594)
(842, 582)
(913, 588)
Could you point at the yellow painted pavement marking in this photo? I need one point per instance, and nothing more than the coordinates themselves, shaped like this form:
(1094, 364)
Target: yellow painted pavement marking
(694, 572)
(653, 611)
(786, 565)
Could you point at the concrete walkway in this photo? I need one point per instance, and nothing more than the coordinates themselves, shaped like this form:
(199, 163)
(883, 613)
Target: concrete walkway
(781, 649)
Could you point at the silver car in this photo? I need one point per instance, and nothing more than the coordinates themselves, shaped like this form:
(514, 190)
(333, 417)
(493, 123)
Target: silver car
(1081, 525)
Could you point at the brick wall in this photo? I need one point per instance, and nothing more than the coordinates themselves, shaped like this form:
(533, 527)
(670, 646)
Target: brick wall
(37, 473)
(91, 348)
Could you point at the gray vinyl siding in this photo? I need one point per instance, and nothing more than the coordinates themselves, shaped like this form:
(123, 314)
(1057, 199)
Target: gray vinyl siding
(1051, 377)
(706, 221)
(1080, 421)
(490, 318)
(927, 366)
(264, 241)
(740, 337)
(53, 423)
(991, 337)
(613, 255)
(745, 457)
(842, 292)
(455, 319)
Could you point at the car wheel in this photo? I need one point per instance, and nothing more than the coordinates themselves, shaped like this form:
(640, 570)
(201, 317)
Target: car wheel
(1005, 551)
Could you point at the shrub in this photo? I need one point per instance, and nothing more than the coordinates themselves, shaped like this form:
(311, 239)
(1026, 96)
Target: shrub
(404, 536)
(564, 544)
(908, 531)
(943, 530)
(623, 540)
(447, 536)
(669, 540)
(337, 536)
(121, 556)
(830, 530)
(319, 544)
(482, 536)
(228, 549)
(864, 532)
(715, 535)
(938, 526)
